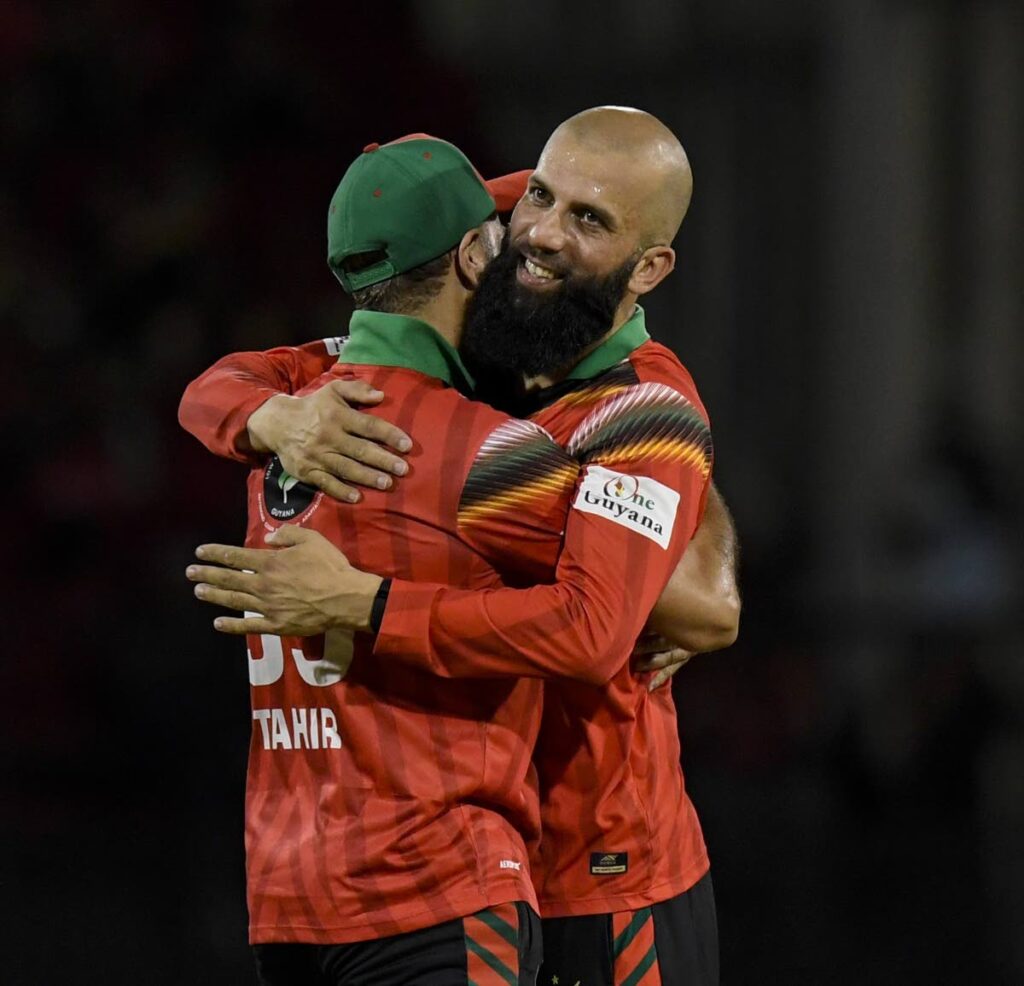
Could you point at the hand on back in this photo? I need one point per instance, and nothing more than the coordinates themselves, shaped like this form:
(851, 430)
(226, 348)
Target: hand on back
(322, 440)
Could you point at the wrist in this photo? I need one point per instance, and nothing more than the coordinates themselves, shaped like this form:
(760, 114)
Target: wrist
(260, 425)
(354, 607)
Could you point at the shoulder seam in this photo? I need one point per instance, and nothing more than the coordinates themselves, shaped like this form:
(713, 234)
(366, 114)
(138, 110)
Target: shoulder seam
(644, 422)
(517, 465)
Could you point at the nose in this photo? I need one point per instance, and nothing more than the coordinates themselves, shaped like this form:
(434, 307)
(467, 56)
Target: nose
(547, 233)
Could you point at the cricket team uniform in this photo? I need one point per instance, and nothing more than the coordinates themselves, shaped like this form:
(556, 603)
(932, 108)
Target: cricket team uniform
(621, 864)
(389, 813)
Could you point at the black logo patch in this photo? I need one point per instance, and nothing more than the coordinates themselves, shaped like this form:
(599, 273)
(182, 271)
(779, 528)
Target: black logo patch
(606, 863)
(283, 494)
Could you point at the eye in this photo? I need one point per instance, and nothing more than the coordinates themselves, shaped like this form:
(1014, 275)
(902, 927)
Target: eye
(538, 194)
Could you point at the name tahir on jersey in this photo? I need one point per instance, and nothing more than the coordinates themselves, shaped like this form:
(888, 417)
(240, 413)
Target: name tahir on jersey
(304, 729)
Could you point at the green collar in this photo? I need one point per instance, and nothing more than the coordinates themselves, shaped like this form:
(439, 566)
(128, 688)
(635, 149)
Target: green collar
(632, 333)
(379, 339)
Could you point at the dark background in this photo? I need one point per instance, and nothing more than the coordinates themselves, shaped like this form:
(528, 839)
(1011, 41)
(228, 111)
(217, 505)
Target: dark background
(848, 297)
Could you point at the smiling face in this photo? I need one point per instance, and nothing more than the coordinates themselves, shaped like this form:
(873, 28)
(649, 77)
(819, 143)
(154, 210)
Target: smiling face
(576, 219)
(590, 235)
(611, 186)
(512, 331)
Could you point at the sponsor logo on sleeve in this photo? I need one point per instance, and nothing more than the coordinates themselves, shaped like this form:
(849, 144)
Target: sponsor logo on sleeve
(638, 502)
(608, 863)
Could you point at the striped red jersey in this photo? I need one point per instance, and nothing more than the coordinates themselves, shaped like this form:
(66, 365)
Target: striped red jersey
(393, 799)
(619, 830)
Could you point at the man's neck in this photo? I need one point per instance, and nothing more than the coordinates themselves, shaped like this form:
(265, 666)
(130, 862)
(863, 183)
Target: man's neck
(622, 315)
(444, 313)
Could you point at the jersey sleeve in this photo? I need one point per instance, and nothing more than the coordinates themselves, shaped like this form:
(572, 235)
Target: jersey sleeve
(215, 407)
(513, 502)
(645, 458)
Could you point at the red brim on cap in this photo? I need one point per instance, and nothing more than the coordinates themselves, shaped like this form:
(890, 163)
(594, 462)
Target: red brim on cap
(508, 189)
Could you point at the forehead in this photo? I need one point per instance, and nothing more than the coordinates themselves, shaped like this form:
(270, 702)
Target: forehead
(582, 175)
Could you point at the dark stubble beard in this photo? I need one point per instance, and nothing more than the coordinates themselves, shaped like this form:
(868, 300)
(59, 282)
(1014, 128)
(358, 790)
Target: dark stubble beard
(512, 332)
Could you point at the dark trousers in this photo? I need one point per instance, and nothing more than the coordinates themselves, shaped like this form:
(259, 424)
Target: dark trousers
(500, 946)
(674, 943)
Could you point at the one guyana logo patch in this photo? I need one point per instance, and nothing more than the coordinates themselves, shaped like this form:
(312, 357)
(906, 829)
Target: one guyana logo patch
(639, 503)
(283, 494)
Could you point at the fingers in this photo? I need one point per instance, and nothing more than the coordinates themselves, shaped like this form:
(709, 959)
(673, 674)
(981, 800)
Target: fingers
(239, 625)
(229, 599)
(651, 643)
(221, 578)
(315, 472)
(662, 678)
(253, 559)
(666, 673)
(290, 535)
(369, 453)
(376, 430)
(348, 460)
(655, 662)
(333, 487)
(350, 469)
(356, 391)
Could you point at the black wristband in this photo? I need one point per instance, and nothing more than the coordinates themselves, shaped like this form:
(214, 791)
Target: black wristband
(379, 602)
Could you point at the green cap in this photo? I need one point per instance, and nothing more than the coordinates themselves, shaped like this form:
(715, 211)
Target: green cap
(413, 199)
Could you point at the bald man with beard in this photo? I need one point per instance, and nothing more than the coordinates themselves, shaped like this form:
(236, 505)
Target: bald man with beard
(622, 873)
(576, 266)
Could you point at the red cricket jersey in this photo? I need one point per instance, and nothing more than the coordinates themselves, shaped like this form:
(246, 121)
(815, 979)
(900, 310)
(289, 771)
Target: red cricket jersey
(609, 760)
(619, 829)
(393, 799)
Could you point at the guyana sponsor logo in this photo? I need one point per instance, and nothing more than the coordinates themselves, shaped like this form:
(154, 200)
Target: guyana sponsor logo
(639, 503)
(283, 494)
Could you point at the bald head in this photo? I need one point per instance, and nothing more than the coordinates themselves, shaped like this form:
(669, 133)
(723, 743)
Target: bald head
(646, 153)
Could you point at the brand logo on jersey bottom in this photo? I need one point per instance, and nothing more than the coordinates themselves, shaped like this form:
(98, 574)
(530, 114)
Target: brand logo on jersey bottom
(606, 863)
(639, 503)
(283, 494)
(509, 864)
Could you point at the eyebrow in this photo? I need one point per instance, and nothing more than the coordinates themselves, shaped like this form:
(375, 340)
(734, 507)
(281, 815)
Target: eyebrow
(607, 220)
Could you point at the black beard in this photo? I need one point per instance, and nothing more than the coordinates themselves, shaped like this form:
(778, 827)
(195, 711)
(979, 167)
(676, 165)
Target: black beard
(512, 332)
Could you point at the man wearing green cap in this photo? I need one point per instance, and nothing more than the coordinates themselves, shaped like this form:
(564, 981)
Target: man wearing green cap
(639, 429)
(389, 815)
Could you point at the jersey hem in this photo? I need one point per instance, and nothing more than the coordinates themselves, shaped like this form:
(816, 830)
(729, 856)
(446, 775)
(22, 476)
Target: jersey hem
(581, 907)
(369, 929)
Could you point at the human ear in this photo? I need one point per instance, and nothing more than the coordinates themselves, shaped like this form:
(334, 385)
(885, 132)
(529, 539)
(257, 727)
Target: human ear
(654, 265)
(471, 257)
